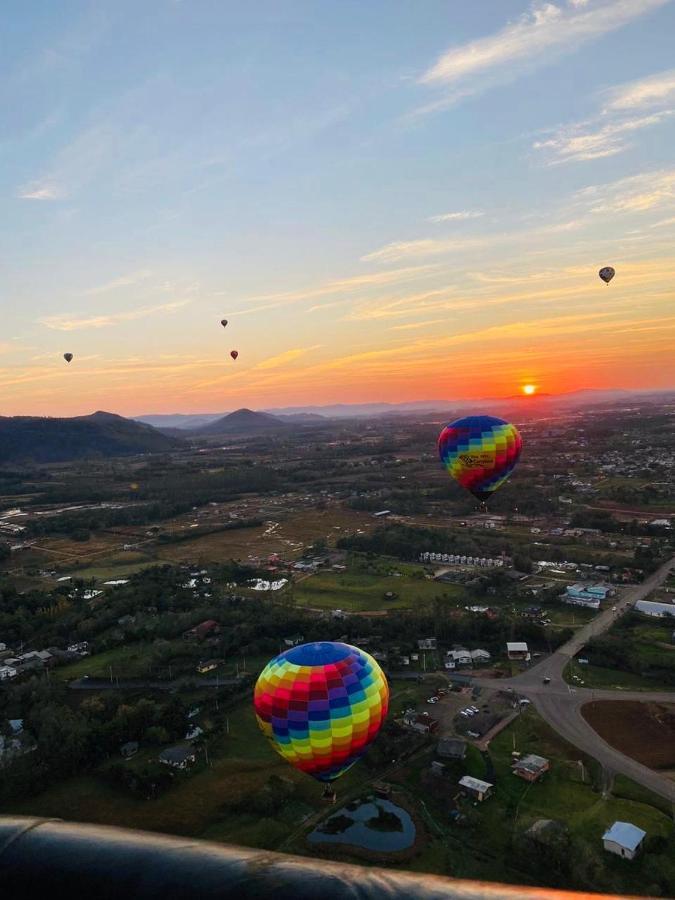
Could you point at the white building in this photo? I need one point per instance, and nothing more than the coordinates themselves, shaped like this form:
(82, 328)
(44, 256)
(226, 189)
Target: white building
(459, 657)
(7, 672)
(480, 656)
(479, 790)
(517, 650)
(624, 839)
(651, 608)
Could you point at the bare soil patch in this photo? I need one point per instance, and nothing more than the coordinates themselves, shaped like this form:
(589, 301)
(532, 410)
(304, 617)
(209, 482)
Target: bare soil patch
(643, 731)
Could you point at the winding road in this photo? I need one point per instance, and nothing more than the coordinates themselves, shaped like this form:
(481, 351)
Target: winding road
(559, 703)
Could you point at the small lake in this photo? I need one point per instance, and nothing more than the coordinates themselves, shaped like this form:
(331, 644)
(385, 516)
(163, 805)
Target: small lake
(373, 824)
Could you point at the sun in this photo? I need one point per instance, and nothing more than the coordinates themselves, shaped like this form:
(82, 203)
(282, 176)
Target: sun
(529, 389)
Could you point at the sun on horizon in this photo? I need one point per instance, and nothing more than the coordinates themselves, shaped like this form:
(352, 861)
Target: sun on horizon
(529, 389)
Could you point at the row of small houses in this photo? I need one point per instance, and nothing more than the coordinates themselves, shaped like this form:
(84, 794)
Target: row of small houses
(460, 560)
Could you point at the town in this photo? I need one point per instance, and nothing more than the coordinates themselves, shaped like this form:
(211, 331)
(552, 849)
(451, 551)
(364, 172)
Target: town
(140, 601)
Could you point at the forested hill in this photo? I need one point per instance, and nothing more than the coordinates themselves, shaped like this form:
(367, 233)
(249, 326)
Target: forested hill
(37, 439)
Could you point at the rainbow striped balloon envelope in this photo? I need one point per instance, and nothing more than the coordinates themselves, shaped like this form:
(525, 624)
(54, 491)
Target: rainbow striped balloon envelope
(480, 452)
(321, 705)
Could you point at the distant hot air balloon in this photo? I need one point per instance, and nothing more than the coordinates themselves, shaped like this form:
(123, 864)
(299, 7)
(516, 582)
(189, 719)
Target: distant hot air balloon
(223, 322)
(480, 452)
(68, 357)
(607, 273)
(321, 705)
(234, 354)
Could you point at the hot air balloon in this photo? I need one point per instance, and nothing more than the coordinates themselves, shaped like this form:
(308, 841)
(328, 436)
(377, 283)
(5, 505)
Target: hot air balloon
(223, 322)
(234, 354)
(480, 452)
(607, 273)
(68, 357)
(320, 705)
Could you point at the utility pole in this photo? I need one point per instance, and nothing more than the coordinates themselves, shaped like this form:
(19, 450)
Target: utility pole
(111, 674)
(227, 725)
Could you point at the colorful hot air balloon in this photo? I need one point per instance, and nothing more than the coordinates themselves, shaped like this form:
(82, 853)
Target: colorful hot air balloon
(223, 322)
(234, 354)
(607, 273)
(321, 705)
(68, 357)
(480, 452)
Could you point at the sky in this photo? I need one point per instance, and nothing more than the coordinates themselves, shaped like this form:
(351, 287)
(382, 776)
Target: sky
(389, 201)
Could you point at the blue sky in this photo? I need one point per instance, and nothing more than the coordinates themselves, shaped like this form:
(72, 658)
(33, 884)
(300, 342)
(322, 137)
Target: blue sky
(388, 200)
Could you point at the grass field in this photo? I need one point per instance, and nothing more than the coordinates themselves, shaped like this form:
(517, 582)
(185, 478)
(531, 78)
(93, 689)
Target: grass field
(128, 661)
(599, 677)
(487, 849)
(358, 592)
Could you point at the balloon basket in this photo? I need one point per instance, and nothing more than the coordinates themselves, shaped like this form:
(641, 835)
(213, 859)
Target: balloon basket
(329, 794)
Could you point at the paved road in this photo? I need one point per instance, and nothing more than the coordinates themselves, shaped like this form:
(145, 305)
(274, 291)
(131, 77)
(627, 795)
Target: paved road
(560, 704)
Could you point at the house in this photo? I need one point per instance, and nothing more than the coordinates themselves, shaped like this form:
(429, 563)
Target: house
(7, 672)
(480, 656)
(208, 666)
(459, 657)
(129, 749)
(475, 788)
(422, 723)
(624, 839)
(201, 631)
(426, 643)
(517, 650)
(451, 748)
(530, 767)
(178, 757)
(658, 610)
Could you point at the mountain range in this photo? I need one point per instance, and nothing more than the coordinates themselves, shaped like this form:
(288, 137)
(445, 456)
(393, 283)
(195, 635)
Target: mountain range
(318, 414)
(43, 440)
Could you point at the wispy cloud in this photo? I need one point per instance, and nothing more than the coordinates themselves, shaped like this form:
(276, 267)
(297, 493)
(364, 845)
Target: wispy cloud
(541, 35)
(399, 250)
(456, 216)
(423, 247)
(645, 93)
(275, 362)
(587, 141)
(344, 285)
(43, 191)
(410, 326)
(638, 193)
(122, 281)
(70, 323)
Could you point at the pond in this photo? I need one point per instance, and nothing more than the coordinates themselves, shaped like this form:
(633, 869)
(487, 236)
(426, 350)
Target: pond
(373, 824)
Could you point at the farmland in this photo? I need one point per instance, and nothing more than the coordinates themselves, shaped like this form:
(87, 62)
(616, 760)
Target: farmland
(643, 731)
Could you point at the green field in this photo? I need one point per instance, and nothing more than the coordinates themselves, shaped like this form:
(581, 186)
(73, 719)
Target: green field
(360, 592)
(128, 661)
(489, 847)
(599, 677)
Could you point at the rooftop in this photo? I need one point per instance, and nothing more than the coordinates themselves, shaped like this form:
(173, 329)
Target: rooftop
(625, 835)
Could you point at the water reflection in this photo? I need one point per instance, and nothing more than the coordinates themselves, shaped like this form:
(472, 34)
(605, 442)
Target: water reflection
(373, 824)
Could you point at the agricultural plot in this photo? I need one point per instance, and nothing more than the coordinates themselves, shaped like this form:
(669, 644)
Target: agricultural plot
(359, 592)
(288, 536)
(643, 731)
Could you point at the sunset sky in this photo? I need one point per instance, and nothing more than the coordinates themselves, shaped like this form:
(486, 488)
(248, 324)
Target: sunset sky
(389, 200)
